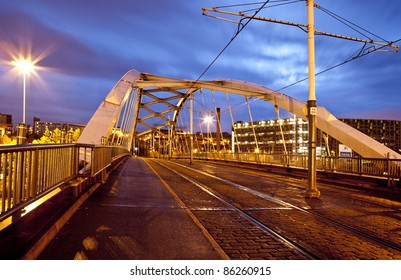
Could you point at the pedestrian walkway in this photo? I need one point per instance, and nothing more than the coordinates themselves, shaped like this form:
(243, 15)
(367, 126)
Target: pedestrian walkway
(132, 216)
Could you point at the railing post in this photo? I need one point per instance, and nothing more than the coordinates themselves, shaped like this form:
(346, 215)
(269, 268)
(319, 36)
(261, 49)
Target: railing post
(360, 171)
(19, 186)
(35, 172)
(387, 169)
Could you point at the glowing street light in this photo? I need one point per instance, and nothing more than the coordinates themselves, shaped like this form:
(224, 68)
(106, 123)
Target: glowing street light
(25, 66)
(208, 119)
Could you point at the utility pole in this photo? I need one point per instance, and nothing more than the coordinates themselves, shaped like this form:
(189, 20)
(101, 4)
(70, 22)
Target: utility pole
(312, 191)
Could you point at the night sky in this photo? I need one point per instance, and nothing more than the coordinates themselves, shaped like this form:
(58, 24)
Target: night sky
(84, 47)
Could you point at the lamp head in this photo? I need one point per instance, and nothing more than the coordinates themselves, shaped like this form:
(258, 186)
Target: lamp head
(24, 65)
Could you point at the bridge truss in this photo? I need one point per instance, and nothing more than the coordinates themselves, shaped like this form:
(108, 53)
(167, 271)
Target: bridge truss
(142, 103)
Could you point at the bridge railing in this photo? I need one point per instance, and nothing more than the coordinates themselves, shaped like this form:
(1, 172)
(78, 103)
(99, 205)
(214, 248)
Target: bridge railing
(383, 168)
(30, 172)
(94, 159)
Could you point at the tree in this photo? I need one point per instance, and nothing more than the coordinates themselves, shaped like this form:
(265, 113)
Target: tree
(54, 137)
(76, 134)
(5, 140)
(45, 139)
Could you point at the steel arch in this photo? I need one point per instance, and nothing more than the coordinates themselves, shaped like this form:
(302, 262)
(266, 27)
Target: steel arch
(178, 90)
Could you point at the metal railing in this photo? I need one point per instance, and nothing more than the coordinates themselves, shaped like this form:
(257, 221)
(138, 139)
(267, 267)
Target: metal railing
(29, 172)
(383, 168)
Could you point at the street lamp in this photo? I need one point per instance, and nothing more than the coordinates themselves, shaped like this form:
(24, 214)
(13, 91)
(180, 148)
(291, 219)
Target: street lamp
(208, 120)
(25, 66)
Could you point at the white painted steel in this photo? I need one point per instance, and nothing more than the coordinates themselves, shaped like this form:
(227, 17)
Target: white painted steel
(104, 118)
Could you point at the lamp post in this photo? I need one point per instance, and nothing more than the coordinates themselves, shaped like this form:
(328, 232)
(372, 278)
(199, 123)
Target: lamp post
(25, 66)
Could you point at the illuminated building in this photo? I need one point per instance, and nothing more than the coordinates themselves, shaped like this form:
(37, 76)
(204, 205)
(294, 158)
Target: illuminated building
(291, 135)
(40, 127)
(6, 124)
(271, 136)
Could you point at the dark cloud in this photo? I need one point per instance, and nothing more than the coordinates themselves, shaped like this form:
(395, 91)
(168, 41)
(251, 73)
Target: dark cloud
(90, 44)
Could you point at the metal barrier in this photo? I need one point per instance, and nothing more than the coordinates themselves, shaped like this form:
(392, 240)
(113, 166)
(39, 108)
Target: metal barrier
(30, 172)
(386, 168)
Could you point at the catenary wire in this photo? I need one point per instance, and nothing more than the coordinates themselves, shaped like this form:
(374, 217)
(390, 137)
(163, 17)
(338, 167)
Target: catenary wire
(276, 5)
(241, 26)
(251, 4)
(349, 23)
(231, 40)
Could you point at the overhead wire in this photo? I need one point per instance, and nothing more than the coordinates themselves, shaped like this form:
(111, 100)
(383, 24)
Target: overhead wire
(361, 53)
(341, 19)
(285, 2)
(349, 23)
(240, 28)
(352, 58)
(251, 4)
(231, 40)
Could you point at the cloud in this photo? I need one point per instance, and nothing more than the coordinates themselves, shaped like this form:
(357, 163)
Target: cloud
(89, 45)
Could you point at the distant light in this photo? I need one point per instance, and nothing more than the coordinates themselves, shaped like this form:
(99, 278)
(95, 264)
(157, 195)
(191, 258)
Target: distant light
(208, 119)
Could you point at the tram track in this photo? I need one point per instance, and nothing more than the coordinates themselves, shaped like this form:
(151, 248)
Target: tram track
(357, 196)
(258, 217)
(255, 221)
(300, 183)
(378, 240)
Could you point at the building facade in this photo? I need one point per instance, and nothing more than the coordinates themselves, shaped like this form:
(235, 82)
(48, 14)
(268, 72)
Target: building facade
(271, 136)
(40, 127)
(386, 132)
(291, 135)
(6, 124)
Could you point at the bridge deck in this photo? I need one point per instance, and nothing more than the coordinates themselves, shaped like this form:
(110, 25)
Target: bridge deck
(137, 215)
(132, 216)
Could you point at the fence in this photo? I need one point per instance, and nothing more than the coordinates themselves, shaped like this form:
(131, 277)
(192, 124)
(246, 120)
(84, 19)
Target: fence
(384, 168)
(30, 172)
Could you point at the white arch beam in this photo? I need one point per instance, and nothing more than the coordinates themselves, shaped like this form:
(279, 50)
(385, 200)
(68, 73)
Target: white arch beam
(105, 117)
(102, 122)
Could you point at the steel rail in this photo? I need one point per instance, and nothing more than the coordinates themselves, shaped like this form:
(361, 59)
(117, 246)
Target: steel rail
(279, 178)
(356, 231)
(297, 247)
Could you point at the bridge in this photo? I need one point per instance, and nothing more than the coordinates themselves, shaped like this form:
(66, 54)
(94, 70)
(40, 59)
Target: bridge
(140, 157)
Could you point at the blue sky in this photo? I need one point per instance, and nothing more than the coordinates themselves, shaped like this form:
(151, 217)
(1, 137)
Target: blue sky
(85, 46)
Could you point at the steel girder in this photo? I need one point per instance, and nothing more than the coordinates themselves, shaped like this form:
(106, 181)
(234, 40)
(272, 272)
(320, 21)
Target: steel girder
(179, 90)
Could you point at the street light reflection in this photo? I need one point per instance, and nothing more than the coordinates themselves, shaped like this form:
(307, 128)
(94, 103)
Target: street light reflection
(40, 201)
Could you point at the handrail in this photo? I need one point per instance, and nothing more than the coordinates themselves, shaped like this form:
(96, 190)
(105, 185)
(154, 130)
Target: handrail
(385, 168)
(30, 172)
(27, 147)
